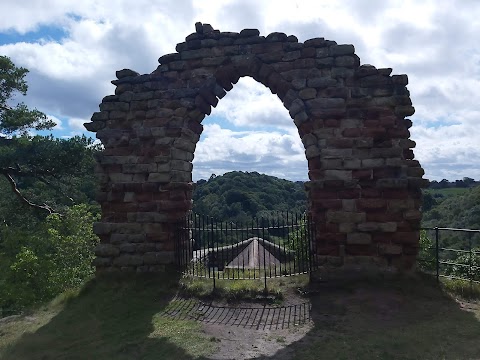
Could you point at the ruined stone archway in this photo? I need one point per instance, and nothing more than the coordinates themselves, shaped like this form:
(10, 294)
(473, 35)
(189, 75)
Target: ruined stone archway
(364, 189)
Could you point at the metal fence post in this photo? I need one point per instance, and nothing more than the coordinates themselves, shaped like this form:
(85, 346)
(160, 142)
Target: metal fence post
(437, 257)
(470, 261)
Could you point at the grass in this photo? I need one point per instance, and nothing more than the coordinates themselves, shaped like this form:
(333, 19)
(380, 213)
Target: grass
(241, 290)
(392, 320)
(110, 318)
(463, 288)
(448, 191)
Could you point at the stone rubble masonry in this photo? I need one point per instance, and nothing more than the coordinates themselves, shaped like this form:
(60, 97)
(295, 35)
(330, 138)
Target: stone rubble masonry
(364, 189)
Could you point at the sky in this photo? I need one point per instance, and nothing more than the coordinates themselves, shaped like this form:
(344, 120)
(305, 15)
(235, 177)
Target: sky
(73, 48)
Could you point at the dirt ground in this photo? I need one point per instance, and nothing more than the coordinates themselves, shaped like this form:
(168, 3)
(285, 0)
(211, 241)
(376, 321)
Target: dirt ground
(286, 331)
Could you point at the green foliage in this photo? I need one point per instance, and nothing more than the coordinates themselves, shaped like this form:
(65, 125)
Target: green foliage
(466, 265)
(39, 263)
(19, 119)
(42, 171)
(456, 211)
(426, 254)
(240, 196)
(299, 242)
(46, 170)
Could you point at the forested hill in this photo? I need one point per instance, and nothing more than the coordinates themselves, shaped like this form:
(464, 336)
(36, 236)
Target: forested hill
(460, 210)
(240, 196)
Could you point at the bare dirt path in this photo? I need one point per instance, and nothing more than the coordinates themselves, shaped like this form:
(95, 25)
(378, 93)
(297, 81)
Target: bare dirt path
(350, 323)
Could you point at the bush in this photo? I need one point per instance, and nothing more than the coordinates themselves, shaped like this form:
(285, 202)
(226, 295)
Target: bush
(38, 264)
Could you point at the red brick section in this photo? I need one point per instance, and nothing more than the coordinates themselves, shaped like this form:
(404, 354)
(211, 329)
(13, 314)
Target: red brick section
(364, 188)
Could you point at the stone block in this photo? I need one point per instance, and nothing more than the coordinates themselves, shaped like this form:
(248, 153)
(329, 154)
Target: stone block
(128, 260)
(102, 262)
(352, 164)
(307, 93)
(410, 237)
(359, 238)
(127, 248)
(101, 228)
(184, 144)
(347, 227)
(390, 249)
(373, 163)
(309, 139)
(339, 50)
(296, 107)
(300, 118)
(106, 250)
(331, 164)
(412, 215)
(336, 153)
(347, 61)
(180, 154)
(321, 82)
(345, 216)
(338, 174)
(163, 177)
(156, 258)
(299, 84)
(392, 183)
(312, 151)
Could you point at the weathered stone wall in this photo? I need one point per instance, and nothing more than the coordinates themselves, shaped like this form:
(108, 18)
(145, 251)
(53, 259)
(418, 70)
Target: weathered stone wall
(364, 189)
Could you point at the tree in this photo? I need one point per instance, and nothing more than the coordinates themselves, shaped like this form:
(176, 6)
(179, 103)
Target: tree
(43, 163)
(39, 263)
(18, 119)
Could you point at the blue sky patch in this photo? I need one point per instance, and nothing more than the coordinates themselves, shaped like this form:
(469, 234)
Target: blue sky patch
(43, 33)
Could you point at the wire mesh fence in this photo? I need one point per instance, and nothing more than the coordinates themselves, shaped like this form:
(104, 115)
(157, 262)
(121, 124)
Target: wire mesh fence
(451, 252)
(280, 245)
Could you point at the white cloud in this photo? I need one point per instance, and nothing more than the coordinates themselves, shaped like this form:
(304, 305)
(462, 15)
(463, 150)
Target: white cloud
(221, 150)
(435, 43)
(77, 124)
(57, 121)
(251, 104)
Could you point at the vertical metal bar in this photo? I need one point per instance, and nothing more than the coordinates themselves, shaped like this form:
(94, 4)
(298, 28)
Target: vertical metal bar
(264, 256)
(437, 253)
(205, 243)
(191, 239)
(184, 244)
(244, 234)
(216, 240)
(278, 256)
(278, 231)
(470, 261)
(294, 226)
(213, 252)
(224, 243)
(242, 237)
(234, 236)
(253, 253)
(289, 236)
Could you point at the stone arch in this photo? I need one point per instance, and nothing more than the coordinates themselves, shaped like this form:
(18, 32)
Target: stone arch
(365, 186)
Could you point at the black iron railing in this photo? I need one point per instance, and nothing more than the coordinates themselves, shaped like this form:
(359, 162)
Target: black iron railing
(279, 245)
(450, 252)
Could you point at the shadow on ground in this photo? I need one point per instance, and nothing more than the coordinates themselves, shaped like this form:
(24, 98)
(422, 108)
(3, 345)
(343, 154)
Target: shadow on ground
(115, 318)
(141, 318)
(387, 319)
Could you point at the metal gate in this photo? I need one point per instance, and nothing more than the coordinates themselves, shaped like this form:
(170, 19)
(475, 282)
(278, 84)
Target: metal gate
(279, 245)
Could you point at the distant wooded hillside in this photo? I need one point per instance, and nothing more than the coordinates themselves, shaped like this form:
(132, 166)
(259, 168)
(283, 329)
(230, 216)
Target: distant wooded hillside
(240, 196)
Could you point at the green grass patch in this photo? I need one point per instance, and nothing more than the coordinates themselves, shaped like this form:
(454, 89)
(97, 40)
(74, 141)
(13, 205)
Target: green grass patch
(241, 290)
(447, 192)
(110, 318)
(395, 319)
(463, 288)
